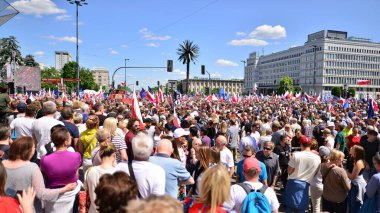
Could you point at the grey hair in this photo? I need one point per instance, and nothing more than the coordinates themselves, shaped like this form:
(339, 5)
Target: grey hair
(142, 146)
(85, 107)
(49, 107)
(249, 148)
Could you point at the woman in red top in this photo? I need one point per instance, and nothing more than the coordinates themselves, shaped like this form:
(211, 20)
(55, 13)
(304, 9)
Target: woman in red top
(10, 204)
(354, 138)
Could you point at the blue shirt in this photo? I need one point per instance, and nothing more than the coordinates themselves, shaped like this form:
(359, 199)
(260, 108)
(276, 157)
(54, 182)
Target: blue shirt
(373, 187)
(174, 171)
(239, 171)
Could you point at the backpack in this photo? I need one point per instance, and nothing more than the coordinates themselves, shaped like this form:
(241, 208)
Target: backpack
(255, 202)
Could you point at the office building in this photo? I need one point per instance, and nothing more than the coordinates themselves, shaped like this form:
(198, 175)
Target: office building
(61, 58)
(101, 76)
(198, 85)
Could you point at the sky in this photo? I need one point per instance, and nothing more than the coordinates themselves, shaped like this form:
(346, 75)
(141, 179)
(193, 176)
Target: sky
(148, 32)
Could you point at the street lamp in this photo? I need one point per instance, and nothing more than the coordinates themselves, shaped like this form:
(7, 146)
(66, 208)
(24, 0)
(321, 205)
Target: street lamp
(77, 3)
(125, 72)
(245, 74)
(315, 65)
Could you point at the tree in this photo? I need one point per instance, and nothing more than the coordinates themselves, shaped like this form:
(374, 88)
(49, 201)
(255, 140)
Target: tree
(188, 52)
(179, 87)
(86, 78)
(215, 91)
(286, 84)
(351, 92)
(29, 61)
(50, 72)
(336, 91)
(9, 47)
(298, 89)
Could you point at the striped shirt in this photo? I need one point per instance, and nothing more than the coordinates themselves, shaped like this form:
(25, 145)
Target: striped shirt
(119, 144)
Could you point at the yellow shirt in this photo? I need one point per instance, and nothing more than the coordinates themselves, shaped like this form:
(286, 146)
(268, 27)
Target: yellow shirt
(89, 141)
(347, 132)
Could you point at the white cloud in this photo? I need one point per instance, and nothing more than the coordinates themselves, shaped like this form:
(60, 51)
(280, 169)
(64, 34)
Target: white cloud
(153, 44)
(179, 72)
(37, 7)
(39, 53)
(148, 35)
(71, 39)
(241, 33)
(248, 42)
(114, 52)
(215, 75)
(63, 17)
(269, 32)
(226, 63)
(124, 46)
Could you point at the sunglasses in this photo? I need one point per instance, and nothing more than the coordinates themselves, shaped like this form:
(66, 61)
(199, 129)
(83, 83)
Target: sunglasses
(267, 148)
(247, 156)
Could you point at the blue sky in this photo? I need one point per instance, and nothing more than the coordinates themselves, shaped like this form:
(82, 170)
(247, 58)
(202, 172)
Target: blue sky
(148, 32)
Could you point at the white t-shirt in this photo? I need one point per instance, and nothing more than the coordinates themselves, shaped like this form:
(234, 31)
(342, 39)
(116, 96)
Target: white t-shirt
(22, 126)
(264, 139)
(150, 177)
(226, 158)
(330, 142)
(41, 130)
(238, 194)
(305, 164)
(256, 135)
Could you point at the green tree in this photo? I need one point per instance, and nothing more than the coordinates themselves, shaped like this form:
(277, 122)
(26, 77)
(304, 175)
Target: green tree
(50, 72)
(298, 89)
(215, 90)
(188, 52)
(337, 91)
(351, 92)
(286, 84)
(29, 61)
(179, 87)
(86, 79)
(9, 49)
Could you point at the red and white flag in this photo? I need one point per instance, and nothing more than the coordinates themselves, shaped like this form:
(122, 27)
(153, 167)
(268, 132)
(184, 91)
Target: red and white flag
(122, 83)
(160, 95)
(150, 96)
(211, 98)
(176, 121)
(64, 97)
(363, 82)
(136, 113)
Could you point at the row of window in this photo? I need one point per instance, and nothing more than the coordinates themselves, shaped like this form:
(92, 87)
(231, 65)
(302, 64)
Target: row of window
(352, 57)
(354, 50)
(282, 58)
(352, 81)
(351, 72)
(352, 65)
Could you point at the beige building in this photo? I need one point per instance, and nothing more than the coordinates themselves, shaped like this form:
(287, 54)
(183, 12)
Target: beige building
(101, 76)
(198, 85)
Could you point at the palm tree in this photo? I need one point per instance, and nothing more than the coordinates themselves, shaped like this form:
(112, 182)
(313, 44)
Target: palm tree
(188, 52)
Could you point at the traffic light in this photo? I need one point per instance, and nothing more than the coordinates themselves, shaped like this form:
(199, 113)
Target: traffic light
(203, 69)
(169, 66)
(113, 84)
(137, 83)
(158, 83)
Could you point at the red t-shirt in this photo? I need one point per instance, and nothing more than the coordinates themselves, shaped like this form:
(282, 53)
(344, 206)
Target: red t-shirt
(353, 140)
(9, 205)
(128, 141)
(200, 208)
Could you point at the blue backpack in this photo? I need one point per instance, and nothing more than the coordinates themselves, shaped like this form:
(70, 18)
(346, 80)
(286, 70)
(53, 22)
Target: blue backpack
(255, 202)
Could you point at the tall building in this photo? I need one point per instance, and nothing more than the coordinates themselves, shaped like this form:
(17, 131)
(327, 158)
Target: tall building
(198, 85)
(328, 58)
(61, 58)
(101, 76)
(249, 72)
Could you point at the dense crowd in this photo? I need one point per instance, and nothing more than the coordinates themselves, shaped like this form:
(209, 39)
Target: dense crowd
(188, 155)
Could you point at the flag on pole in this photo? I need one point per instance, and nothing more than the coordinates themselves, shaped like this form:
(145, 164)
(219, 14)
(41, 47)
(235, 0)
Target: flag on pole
(142, 93)
(136, 113)
(254, 88)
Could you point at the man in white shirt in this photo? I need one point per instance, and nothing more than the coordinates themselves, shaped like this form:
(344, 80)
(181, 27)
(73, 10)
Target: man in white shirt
(41, 127)
(23, 125)
(226, 157)
(150, 178)
(252, 170)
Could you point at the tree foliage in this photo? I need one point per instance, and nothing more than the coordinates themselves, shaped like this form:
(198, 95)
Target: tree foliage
(29, 61)
(215, 90)
(86, 78)
(286, 84)
(50, 72)
(351, 92)
(188, 52)
(337, 91)
(9, 46)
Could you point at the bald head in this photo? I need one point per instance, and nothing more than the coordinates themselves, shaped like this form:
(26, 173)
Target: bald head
(165, 147)
(221, 141)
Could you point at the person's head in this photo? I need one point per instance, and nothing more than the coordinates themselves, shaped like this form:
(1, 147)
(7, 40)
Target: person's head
(165, 146)
(180, 135)
(251, 169)
(372, 135)
(376, 162)
(324, 153)
(21, 107)
(133, 125)
(196, 143)
(215, 187)
(107, 150)
(103, 135)
(223, 127)
(276, 126)
(61, 137)
(284, 139)
(31, 110)
(336, 157)
(203, 155)
(78, 118)
(193, 131)
(357, 152)
(114, 191)
(306, 143)
(156, 204)
(3, 89)
(203, 131)
(49, 107)
(249, 151)
(215, 155)
(110, 124)
(67, 113)
(298, 133)
(158, 128)
(142, 146)
(268, 148)
(355, 131)
(5, 132)
(221, 141)
(22, 149)
(92, 122)
(98, 107)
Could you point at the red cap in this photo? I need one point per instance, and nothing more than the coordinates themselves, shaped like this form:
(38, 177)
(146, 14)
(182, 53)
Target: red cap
(305, 140)
(251, 163)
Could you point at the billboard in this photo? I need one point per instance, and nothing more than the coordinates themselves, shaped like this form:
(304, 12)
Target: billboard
(28, 77)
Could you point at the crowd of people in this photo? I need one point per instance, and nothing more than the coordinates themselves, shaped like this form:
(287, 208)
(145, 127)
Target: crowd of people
(188, 155)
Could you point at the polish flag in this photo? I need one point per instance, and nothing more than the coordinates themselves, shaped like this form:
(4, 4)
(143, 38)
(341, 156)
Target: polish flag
(298, 96)
(318, 98)
(374, 105)
(363, 82)
(150, 96)
(64, 97)
(122, 83)
(136, 110)
(211, 98)
(176, 121)
(342, 100)
(160, 95)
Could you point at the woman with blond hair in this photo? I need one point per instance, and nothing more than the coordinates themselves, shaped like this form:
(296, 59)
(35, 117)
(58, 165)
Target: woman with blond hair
(214, 191)
(203, 156)
(87, 141)
(110, 124)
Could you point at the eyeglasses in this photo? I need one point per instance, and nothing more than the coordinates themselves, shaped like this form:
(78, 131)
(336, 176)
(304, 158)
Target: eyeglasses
(267, 148)
(247, 156)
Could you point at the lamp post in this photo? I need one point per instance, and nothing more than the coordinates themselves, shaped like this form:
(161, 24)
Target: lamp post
(125, 72)
(245, 75)
(315, 65)
(77, 3)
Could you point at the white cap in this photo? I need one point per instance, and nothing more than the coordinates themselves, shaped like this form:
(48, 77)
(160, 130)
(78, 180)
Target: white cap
(330, 124)
(180, 132)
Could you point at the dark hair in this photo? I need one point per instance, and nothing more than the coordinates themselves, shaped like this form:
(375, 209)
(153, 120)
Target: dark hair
(3, 178)
(21, 148)
(67, 113)
(5, 131)
(131, 122)
(31, 110)
(193, 131)
(376, 158)
(3, 89)
(185, 124)
(97, 106)
(114, 192)
(359, 153)
(204, 130)
(59, 136)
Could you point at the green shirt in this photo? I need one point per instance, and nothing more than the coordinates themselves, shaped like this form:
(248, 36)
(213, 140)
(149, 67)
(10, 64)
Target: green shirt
(340, 139)
(4, 100)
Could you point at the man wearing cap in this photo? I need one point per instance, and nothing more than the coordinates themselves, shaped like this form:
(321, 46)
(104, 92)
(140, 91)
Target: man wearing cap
(303, 166)
(371, 147)
(251, 171)
(179, 139)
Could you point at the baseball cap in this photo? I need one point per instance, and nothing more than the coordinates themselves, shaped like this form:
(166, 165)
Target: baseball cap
(305, 140)
(180, 132)
(21, 107)
(251, 163)
(324, 151)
